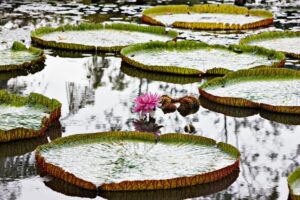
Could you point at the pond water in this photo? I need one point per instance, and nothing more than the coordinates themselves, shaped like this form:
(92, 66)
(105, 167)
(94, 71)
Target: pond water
(97, 96)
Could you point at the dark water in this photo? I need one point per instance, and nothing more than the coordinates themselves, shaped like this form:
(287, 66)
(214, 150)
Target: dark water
(97, 95)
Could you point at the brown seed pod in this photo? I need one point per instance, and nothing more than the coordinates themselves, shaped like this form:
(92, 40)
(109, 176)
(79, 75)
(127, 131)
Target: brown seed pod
(169, 108)
(165, 99)
(188, 105)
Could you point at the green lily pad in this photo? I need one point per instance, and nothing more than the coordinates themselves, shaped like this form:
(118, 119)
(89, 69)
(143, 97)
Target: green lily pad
(133, 161)
(99, 37)
(270, 89)
(21, 147)
(168, 78)
(25, 117)
(65, 188)
(194, 58)
(241, 112)
(294, 184)
(19, 57)
(286, 42)
(207, 16)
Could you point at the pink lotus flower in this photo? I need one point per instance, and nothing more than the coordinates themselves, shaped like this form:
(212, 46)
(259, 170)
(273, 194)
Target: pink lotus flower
(146, 103)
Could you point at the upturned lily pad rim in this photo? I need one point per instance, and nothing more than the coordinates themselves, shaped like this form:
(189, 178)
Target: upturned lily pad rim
(294, 176)
(36, 35)
(68, 189)
(251, 75)
(137, 136)
(35, 62)
(33, 99)
(272, 35)
(241, 112)
(208, 8)
(168, 78)
(193, 45)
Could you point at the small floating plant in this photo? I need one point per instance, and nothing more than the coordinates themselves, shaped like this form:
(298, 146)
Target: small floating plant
(127, 161)
(208, 17)
(26, 117)
(294, 184)
(286, 42)
(270, 89)
(195, 58)
(19, 57)
(99, 37)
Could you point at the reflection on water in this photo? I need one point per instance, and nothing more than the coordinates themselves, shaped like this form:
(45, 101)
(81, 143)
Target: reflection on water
(98, 96)
(17, 161)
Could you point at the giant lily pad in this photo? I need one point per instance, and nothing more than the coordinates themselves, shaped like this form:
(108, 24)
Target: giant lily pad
(241, 112)
(271, 89)
(102, 37)
(26, 117)
(19, 57)
(21, 147)
(294, 184)
(117, 161)
(170, 194)
(194, 58)
(168, 78)
(208, 16)
(286, 42)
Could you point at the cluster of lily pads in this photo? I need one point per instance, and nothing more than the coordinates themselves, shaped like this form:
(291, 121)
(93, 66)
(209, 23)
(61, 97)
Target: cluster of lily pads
(177, 160)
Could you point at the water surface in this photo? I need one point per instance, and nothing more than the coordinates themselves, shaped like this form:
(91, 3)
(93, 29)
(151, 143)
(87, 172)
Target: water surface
(97, 97)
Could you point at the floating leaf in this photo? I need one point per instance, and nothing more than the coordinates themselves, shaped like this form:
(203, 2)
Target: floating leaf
(286, 42)
(294, 184)
(208, 17)
(26, 117)
(193, 58)
(169, 194)
(271, 89)
(99, 37)
(96, 161)
(20, 58)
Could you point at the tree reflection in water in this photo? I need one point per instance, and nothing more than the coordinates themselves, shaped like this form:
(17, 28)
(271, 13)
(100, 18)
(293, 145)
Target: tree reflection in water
(17, 161)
